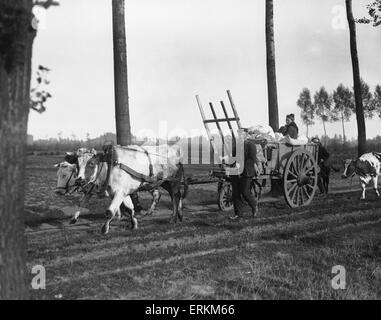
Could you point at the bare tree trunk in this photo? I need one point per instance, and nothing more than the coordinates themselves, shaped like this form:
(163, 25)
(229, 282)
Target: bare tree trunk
(271, 68)
(325, 131)
(16, 39)
(342, 121)
(307, 130)
(361, 131)
(122, 112)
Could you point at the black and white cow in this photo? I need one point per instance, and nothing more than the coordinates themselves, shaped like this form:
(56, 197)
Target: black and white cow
(367, 167)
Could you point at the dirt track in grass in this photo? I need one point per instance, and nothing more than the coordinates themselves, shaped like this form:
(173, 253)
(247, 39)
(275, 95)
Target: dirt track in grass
(283, 253)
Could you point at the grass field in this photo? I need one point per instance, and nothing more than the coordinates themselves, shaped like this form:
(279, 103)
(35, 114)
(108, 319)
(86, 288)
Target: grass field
(282, 254)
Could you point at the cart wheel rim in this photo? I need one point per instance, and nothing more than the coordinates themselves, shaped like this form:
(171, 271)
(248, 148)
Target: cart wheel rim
(225, 198)
(300, 179)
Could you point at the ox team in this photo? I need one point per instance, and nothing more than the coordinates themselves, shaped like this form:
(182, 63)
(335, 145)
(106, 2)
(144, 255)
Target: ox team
(120, 172)
(151, 167)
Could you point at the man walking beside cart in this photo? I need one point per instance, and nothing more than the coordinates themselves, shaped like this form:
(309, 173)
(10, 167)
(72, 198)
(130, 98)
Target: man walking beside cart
(241, 184)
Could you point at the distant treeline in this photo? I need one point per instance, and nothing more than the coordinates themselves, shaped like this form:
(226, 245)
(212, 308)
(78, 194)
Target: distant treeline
(60, 145)
(57, 146)
(348, 150)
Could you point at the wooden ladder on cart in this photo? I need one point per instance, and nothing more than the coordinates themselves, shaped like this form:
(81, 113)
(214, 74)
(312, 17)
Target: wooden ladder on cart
(230, 120)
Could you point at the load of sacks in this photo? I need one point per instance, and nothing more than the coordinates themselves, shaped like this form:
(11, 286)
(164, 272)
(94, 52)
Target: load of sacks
(267, 133)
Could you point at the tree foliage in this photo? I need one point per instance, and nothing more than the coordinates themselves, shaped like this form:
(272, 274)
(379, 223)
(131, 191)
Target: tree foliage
(367, 100)
(307, 112)
(46, 4)
(343, 106)
(377, 100)
(323, 103)
(38, 94)
(339, 106)
(343, 103)
(374, 11)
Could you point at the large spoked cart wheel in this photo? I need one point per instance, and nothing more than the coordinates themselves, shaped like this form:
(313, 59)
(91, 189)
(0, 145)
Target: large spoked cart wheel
(300, 178)
(225, 196)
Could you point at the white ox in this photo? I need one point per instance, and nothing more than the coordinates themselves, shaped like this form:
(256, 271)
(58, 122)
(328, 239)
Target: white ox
(367, 167)
(66, 175)
(84, 155)
(135, 168)
(66, 178)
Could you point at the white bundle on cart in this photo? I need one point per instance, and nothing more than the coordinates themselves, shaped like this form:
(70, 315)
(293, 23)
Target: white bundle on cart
(265, 132)
(259, 132)
(302, 140)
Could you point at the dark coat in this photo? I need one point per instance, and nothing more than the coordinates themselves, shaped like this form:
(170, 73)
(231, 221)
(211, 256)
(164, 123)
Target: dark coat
(323, 154)
(290, 129)
(250, 151)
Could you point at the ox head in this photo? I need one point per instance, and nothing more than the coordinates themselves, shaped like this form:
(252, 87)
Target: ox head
(66, 175)
(84, 155)
(91, 172)
(71, 158)
(349, 168)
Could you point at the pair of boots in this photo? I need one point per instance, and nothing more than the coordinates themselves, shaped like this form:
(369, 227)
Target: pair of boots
(254, 213)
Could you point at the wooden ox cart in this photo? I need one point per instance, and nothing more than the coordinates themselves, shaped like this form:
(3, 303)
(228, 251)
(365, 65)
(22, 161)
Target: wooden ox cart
(291, 170)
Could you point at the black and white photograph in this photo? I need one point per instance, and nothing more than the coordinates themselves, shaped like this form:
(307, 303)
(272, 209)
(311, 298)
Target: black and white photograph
(203, 151)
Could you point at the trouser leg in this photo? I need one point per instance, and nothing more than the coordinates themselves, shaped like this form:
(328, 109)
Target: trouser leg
(237, 201)
(245, 183)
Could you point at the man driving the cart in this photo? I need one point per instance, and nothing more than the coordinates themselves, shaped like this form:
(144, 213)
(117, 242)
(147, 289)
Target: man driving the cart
(290, 129)
(241, 184)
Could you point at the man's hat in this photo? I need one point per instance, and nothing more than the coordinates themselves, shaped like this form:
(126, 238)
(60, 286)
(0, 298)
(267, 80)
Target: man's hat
(252, 130)
(315, 140)
(291, 116)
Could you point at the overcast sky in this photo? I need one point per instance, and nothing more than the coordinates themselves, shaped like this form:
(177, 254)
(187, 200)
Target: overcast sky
(179, 48)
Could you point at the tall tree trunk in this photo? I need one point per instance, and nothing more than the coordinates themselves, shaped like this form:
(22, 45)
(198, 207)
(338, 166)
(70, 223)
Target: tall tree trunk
(122, 112)
(307, 130)
(16, 39)
(325, 131)
(271, 69)
(342, 121)
(361, 131)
